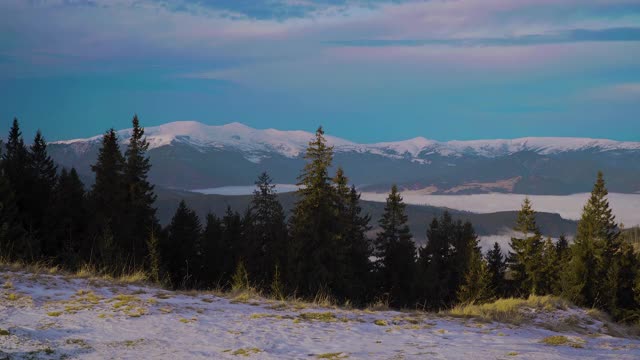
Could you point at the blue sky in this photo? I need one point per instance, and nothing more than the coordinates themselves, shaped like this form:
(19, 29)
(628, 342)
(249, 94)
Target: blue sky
(367, 70)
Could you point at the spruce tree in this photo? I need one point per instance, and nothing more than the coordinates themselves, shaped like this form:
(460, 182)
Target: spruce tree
(312, 223)
(44, 177)
(625, 271)
(476, 285)
(597, 244)
(267, 232)
(396, 252)
(232, 242)
(140, 198)
(180, 252)
(107, 203)
(18, 172)
(214, 253)
(550, 271)
(358, 275)
(496, 266)
(11, 230)
(525, 259)
(67, 221)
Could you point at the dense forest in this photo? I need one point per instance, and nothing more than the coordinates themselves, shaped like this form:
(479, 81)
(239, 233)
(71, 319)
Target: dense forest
(47, 214)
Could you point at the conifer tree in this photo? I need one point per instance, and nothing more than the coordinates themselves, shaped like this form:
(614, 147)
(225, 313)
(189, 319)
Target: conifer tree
(435, 263)
(44, 177)
(396, 252)
(107, 199)
(589, 279)
(476, 285)
(525, 259)
(267, 232)
(358, 276)
(180, 252)
(17, 171)
(140, 198)
(312, 223)
(67, 221)
(214, 252)
(232, 243)
(625, 271)
(562, 249)
(550, 271)
(11, 231)
(496, 266)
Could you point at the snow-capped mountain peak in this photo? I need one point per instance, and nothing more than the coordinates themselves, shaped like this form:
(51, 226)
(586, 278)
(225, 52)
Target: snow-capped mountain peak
(256, 144)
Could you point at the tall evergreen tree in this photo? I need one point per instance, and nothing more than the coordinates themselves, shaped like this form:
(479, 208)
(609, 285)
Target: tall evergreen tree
(44, 177)
(267, 232)
(312, 223)
(525, 259)
(496, 266)
(215, 253)
(67, 220)
(18, 172)
(396, 252)
(549, 273)
(11, 231)
(359, 271)
(593, 252)
(107, 202)
(476, 285)
(140, 198)
(180, 251)
(233, 241)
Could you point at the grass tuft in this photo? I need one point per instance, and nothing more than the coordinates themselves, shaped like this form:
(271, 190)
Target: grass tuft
(317, 316)
(508, 310)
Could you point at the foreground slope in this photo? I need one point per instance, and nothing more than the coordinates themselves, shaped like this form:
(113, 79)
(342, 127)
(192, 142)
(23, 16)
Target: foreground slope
(56, 316)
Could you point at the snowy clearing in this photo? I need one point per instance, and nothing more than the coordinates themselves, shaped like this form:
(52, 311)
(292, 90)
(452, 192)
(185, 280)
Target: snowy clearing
(56, 316)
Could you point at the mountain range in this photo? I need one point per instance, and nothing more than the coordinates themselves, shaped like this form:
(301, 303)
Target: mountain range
(191, 155)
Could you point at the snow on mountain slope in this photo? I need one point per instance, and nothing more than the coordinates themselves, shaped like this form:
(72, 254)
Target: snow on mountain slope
(53, 316)
(255, 143)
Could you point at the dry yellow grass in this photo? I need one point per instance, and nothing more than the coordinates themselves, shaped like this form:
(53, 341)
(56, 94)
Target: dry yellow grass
(508, 310)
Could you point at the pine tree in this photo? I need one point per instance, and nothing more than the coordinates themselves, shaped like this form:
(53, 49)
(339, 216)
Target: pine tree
(358, 275)
(525, 259)
(180, 252)
(312, 223)
(140, 198)
(476, 286)
(214, 253)
(435, 263)
(233, 242)
(562, 249)
(11, 231)
(594, 253)
(67, 221)
(396, 252)
(18, 172)
(44, 179)
(496, 266)
(550, 271)
(107, 200)
(624, 272)
(267, 232)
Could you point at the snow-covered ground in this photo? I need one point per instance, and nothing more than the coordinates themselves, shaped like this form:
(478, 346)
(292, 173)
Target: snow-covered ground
(56, 316)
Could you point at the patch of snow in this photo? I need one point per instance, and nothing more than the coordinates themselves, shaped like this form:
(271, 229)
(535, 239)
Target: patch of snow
(59, 317)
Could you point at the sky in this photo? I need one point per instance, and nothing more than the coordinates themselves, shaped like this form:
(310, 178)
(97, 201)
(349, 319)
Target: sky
(366, 70)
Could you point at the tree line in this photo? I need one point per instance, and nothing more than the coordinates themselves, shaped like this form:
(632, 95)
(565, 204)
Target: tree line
(323, 247)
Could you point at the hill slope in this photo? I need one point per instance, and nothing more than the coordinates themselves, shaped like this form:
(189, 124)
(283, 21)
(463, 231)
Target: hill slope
(47, 316)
